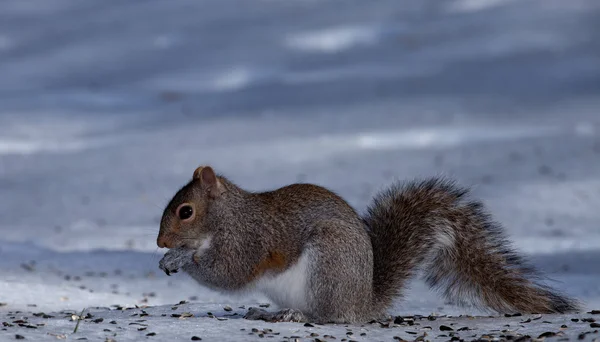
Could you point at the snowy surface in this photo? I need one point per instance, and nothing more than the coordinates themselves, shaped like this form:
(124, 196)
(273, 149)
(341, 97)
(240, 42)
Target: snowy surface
(106, 108)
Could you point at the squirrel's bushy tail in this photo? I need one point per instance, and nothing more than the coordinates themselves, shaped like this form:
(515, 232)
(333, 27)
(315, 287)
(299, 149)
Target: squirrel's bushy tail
(431, 225)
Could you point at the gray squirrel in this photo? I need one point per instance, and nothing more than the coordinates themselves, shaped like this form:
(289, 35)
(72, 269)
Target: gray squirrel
(314, 256)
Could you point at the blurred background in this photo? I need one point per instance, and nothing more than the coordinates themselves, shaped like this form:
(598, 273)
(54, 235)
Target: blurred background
(107, 107)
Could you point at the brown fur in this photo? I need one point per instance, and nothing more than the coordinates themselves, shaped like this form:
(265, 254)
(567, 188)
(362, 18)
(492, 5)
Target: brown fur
(359, 265)
(276, 261)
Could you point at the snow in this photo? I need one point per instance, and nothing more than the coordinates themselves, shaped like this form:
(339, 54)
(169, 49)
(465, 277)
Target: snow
(332, 40)
(107, 108)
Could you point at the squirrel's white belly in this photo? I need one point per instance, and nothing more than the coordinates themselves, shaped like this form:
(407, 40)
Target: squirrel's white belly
(288, 289)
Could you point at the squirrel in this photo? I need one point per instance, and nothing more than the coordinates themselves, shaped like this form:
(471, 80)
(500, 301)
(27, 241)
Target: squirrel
(313, 255)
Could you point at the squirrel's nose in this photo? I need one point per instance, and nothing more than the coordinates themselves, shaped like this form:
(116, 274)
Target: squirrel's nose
(162, 242)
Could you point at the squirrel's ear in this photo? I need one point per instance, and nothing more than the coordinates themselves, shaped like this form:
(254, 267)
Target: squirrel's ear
(209, 179)
(198, 172)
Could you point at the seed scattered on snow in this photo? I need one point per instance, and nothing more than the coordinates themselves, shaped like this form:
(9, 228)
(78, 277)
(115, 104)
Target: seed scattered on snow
(43, 315)
(547, 334)
(513, 315)
(140, 324)
(59, 336)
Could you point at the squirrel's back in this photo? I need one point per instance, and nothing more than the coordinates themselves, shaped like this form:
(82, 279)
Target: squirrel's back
(306, 203)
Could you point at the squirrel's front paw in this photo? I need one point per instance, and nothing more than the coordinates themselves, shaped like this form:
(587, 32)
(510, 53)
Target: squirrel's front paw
(175, 259)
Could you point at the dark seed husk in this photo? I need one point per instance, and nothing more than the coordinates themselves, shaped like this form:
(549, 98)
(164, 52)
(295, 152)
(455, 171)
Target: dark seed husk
(547, 334)
(513, 315)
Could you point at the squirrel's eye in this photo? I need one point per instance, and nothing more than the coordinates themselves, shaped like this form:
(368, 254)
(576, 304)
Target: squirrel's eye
(185, 212)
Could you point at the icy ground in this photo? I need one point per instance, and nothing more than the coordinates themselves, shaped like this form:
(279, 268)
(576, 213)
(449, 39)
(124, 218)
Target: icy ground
(106, 108)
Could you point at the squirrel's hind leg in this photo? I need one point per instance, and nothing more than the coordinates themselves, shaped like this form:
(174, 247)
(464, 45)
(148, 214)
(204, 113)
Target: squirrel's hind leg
(285, 315)
(341, 280)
